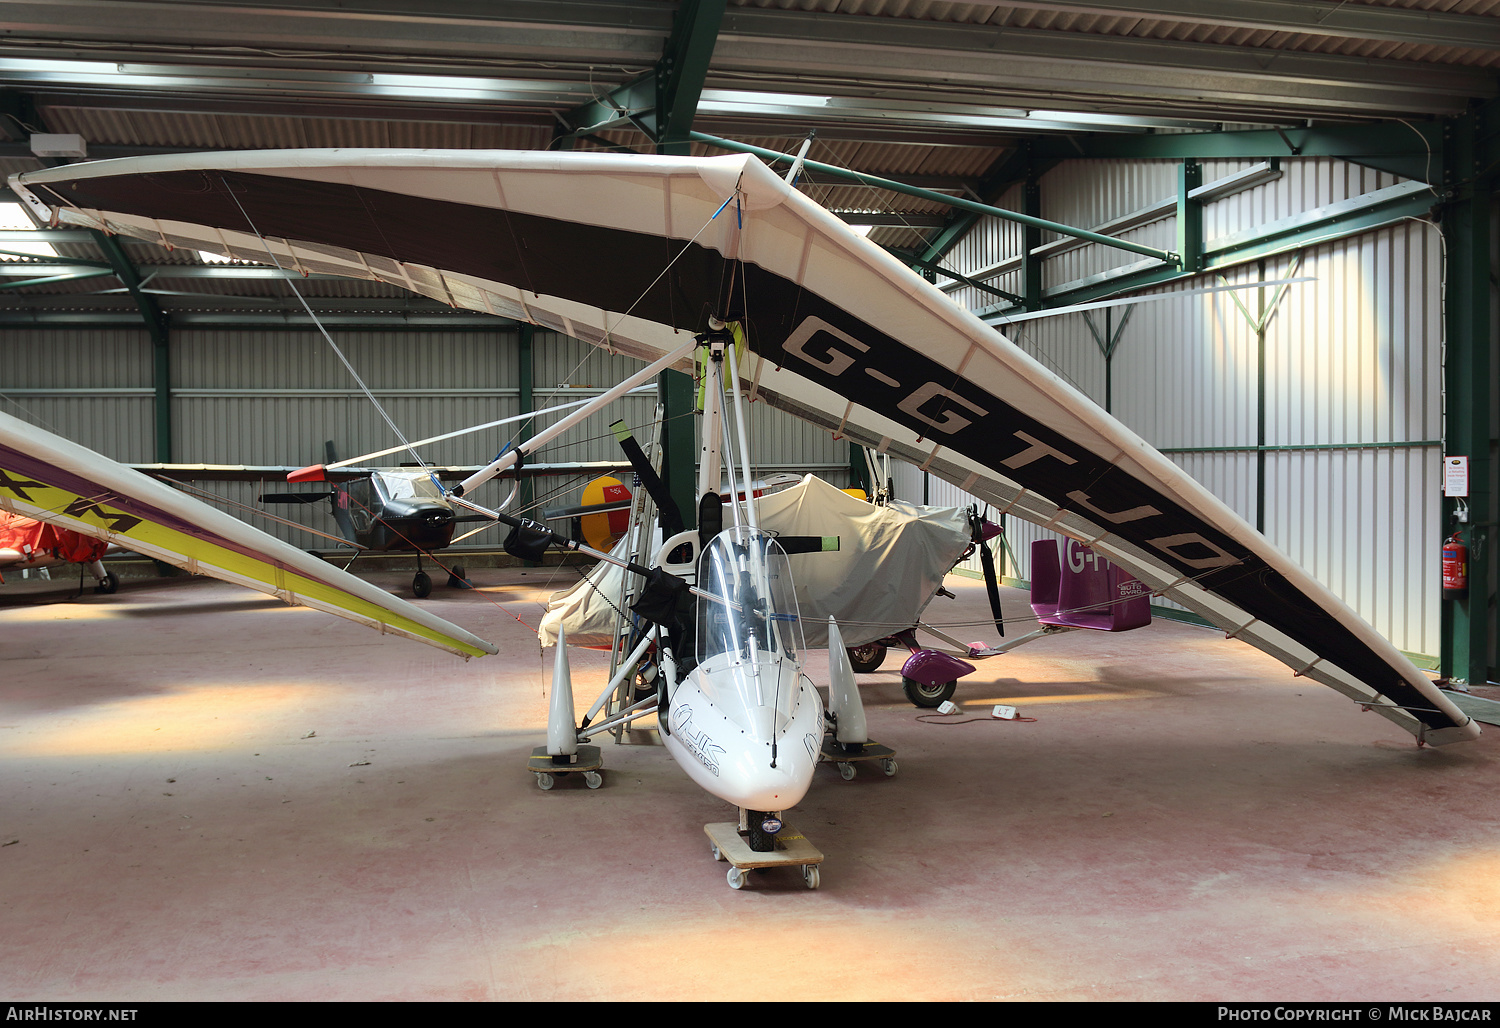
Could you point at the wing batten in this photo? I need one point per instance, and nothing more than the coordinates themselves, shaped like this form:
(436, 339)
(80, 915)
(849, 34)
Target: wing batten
(842, 335)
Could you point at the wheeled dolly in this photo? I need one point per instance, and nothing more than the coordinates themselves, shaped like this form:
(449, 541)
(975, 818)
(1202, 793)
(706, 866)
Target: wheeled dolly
(846, 758)
(792, 850)
(587, 762)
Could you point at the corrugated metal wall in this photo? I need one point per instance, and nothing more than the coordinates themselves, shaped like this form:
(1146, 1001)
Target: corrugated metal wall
(259, 397)
(91, 385)
(1346, 476)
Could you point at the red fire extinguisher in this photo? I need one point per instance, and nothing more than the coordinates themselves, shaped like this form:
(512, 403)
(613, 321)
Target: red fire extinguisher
(1455, 567)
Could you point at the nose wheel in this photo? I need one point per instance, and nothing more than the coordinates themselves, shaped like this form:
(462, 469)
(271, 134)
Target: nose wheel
(791, 850)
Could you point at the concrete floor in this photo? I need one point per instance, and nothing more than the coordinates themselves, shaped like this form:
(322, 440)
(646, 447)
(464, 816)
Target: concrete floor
(205, 795)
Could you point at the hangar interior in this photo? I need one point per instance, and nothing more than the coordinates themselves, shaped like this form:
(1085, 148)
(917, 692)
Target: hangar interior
(1341, 151)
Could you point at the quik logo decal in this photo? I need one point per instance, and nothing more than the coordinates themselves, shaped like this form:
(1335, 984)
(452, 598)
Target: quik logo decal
(697, 742)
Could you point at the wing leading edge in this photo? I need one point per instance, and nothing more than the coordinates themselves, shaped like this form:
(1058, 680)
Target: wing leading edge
(46, 477)
(842, 335)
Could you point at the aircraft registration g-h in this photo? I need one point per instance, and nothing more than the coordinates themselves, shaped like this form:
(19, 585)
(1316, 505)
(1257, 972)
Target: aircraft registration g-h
(638, 253)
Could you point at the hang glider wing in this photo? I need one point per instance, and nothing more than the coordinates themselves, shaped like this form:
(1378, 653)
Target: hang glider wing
(632, 252)
(48, 478)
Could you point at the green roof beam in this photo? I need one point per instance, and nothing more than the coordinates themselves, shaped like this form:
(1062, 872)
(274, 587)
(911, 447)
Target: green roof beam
(157, 328)
(926, 265)
(683, 68)
(1410, 149)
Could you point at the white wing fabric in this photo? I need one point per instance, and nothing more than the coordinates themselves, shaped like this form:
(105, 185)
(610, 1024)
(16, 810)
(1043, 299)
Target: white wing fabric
(635, 252)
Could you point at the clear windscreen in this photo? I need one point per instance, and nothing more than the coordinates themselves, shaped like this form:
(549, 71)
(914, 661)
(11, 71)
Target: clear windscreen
(749, 634)
(409, 485)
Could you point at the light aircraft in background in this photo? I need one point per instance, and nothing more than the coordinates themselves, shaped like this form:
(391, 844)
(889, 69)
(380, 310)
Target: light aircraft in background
(26, 543)
(405, 510)
(389, 510)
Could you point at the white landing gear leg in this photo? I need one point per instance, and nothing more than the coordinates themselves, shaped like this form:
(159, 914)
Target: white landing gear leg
(564, 754)
(847, 743)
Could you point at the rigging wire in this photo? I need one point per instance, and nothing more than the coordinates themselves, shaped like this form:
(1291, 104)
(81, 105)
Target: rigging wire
(319, 323)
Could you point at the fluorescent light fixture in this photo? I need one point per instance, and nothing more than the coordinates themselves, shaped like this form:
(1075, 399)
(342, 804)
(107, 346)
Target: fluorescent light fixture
(450, 87)
(62, 67)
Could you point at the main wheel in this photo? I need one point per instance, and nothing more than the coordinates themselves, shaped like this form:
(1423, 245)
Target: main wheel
(421, 584)
(868, 657)
(110, 584)
(457, 579)
(928, 695)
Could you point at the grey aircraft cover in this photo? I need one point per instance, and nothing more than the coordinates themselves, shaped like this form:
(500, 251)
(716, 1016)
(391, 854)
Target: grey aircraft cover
(889, 564)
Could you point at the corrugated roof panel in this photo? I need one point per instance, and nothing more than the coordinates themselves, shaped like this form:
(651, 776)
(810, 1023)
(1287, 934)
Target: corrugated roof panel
(1138, 27)
(253, 132)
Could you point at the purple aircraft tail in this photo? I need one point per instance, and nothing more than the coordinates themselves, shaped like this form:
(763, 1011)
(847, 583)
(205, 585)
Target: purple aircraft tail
(1085, 590)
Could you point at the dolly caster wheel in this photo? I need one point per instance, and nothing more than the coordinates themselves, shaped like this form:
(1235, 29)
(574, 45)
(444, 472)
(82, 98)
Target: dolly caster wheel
(545, 781)
(889, 767)
(593, 779)
(714, 849)
(847, 771)
(736, 878)
(810, 875)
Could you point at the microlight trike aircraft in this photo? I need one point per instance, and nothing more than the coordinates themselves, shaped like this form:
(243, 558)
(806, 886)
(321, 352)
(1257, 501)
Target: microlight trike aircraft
(637, 253)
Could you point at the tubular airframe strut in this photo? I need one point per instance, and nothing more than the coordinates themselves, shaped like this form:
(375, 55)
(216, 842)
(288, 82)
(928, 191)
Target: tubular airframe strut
(952, 201)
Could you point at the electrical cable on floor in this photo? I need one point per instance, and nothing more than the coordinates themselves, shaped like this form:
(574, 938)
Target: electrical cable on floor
(929, 719)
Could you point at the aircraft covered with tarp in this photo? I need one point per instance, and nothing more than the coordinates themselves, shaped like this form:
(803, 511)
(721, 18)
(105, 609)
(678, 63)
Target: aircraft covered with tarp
(636, 253)
(888, 566)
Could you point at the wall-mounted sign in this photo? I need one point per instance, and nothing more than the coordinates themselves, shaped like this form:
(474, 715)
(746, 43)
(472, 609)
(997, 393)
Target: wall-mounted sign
(1455, 476)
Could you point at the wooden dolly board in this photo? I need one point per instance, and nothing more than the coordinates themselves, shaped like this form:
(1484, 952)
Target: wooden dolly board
(833, 751)
(587, 762)
(792, 849)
